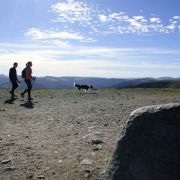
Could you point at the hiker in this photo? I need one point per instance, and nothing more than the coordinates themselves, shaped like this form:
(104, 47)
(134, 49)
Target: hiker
(28, 80)
(13, 78)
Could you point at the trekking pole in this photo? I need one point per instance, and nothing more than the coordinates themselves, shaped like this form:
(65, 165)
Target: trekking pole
(33, 81)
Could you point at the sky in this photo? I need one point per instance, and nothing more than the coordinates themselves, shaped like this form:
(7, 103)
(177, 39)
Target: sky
(91, 38)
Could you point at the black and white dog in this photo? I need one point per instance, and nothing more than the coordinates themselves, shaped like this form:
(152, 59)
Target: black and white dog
(85, 87)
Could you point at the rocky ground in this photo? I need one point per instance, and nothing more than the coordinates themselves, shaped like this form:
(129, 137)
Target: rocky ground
(64, 134)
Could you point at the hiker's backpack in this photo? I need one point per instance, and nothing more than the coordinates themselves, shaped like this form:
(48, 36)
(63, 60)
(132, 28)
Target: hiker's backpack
(23, 74)
(11, 73)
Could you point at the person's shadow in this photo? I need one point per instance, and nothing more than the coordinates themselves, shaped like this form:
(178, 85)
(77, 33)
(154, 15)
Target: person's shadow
(10, 101)
(28, 104)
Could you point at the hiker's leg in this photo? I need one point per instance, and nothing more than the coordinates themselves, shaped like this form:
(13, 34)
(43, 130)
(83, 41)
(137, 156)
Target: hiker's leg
(29, 85)
(12, 92)
(25, 91)
(14, 86)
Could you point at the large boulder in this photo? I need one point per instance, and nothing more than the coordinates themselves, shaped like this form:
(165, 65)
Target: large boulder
(149, 146)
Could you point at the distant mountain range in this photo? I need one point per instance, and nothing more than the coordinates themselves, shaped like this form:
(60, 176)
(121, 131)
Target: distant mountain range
(50, 82)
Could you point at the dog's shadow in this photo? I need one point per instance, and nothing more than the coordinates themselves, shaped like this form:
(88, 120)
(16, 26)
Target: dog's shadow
(10, 101)
(84, 93)
(28, 105)
(93, 91)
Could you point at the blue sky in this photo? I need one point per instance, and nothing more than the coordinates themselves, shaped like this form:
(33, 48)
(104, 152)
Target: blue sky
(97, 38)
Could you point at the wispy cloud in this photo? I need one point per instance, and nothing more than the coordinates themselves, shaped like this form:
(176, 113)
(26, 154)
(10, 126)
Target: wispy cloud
(57, 37)
(95, 61)
(77, 20)
(73, 11)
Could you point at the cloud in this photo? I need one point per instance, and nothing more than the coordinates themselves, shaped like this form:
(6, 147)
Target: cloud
(72, 11)
(50, 60)
(171, 27)
(83, 22)
(98, 19)
(57, 37)
(156, 20)
(176, 17)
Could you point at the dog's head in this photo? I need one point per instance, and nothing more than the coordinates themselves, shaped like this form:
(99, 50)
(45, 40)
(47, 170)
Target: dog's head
(77, 85)
(90, 86)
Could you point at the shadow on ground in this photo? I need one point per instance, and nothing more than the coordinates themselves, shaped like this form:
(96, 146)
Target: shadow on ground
(28, 104)
(10, 101)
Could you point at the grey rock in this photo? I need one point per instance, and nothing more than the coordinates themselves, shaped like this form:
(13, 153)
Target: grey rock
(96, 142)
(86, 162)
(12, 168)
(5, 161)
(87, 174)
(30, 176)
(41, 177)
(149, 146)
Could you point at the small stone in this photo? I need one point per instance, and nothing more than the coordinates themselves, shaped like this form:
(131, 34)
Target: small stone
(103, 172)
(96, 142)
(86, 162)
(41, 177)
(87, 173)
(95, 149)
(60, 161)
(30, 176)
(28, 147)
(5, 161)
(12, 168)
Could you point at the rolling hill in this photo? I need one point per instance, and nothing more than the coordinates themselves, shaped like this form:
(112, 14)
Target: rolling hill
(50, 82)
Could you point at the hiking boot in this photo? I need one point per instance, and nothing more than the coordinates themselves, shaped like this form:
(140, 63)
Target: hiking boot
(13, 96)
(22, 95)
(30, 98)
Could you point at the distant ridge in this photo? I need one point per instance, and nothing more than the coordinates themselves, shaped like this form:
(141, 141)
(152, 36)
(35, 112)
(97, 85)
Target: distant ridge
(50, 82)
(157, 84)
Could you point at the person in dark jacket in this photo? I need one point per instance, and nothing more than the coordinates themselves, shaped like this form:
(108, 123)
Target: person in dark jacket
(13, 78)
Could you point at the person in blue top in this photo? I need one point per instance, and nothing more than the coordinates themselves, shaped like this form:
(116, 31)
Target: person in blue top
(13, 78)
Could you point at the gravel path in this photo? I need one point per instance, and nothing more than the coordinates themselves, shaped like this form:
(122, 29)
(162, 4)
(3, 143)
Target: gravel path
(64, 134)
